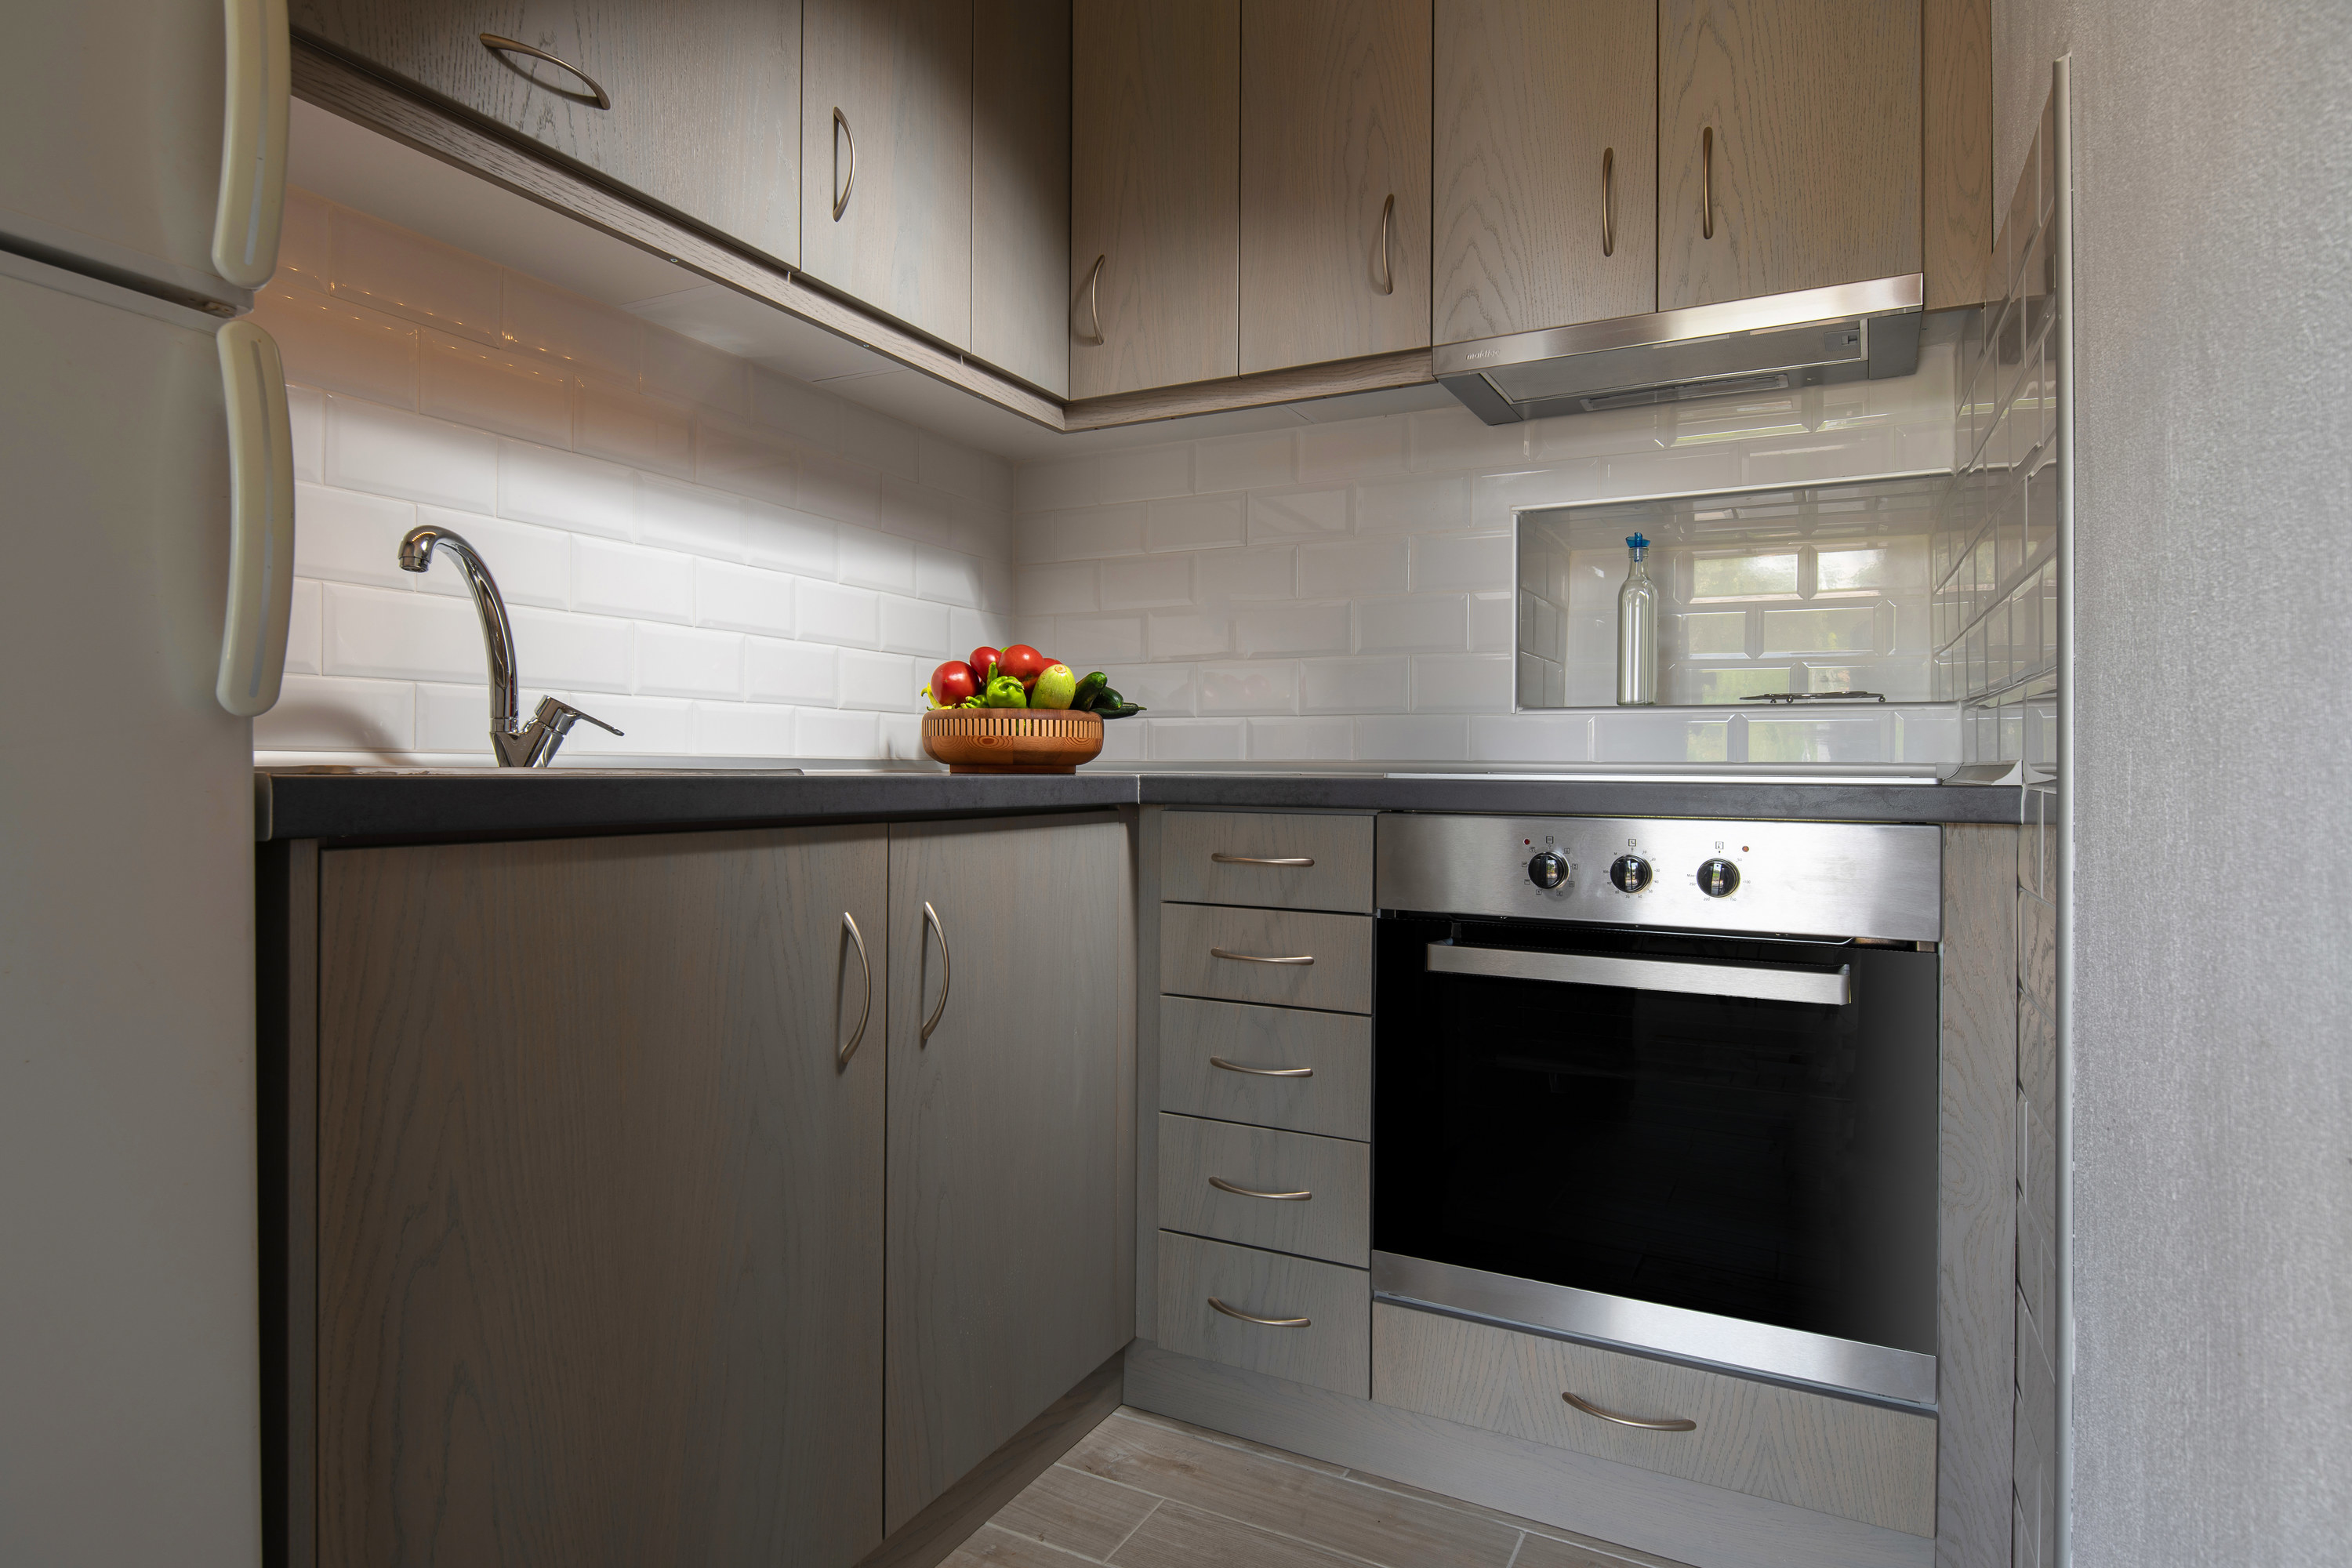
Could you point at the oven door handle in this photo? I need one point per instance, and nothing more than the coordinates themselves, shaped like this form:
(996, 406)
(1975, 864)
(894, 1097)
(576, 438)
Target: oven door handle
(1691, 978)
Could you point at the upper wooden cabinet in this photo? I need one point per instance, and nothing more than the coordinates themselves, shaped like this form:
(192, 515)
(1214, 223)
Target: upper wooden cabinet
(1155, 193)
(1021, 189)
(704, 100)
(1334, 180)
(1546, 144)
(1789, 150)
(886, 143)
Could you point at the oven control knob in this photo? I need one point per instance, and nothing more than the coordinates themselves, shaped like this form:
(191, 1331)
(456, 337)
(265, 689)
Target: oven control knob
(1549, 870)
(1718, 879)
(1630, 873)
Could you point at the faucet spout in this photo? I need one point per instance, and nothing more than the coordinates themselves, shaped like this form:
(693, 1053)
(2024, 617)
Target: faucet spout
(498, 631)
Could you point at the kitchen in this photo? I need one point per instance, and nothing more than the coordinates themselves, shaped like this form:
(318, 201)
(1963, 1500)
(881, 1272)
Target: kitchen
(772, 359)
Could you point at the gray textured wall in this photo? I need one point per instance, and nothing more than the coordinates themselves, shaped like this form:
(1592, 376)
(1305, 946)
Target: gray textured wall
(2212, 904)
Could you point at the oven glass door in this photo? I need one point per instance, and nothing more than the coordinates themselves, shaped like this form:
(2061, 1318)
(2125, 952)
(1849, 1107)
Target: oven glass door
(1732, 1126)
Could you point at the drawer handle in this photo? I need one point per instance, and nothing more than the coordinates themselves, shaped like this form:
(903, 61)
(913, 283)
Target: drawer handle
(1253, 958)
(1671, 1425)
(1223, 859)
(866, 1009)
(499, 46)
(1224, 1185)
(1254, 1318)
(1261, 1072)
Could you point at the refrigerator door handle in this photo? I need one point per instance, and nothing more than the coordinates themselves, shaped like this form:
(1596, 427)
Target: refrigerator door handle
(252, 201)
(261, 521)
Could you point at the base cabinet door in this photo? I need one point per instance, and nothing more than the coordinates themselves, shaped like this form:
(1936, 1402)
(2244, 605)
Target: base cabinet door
(600, 1202)
(1010, 1232)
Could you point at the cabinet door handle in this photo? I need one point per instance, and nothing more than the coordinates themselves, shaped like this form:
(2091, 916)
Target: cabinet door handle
(1609, 201)
(1094, 301)
(1261, 1072)
(841, 124)
(1706, 183)
(261, 520)
(947, 973)
(499, 46)
(1254, 1318)
(1671, 1423)
(866, 1010)
(250, 208)
(1253, 958)
(1223, 859)
(1224, 1185)
(1388, 268)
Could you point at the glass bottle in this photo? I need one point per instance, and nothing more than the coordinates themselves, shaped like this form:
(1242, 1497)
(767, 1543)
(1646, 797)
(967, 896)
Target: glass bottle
(1637, 632)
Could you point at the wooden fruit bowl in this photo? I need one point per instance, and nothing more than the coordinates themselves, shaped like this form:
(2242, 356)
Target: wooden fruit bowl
(1012, 740)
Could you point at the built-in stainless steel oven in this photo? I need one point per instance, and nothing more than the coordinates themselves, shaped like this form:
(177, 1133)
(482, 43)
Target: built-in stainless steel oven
(1664, 1084)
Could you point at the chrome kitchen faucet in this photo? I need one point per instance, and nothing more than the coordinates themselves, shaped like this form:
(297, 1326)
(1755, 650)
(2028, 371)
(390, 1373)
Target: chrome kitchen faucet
(517, 744)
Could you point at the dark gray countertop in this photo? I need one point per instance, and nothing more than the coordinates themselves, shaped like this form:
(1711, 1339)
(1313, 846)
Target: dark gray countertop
(495, 802)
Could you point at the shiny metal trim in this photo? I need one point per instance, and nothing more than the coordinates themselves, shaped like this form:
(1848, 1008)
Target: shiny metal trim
(1839, 879)
(1261, 1072)
(499, 46)
(866, 1011)
(947, 975)
(1732, 1343)
(1094, 300)
(1682, 976)
(1669, 1423)
(1254, 1318)
(1387, 268)
(1609, 201)
(1253, 958)
(841, 123)
(1238, 1191)
(1223, 859)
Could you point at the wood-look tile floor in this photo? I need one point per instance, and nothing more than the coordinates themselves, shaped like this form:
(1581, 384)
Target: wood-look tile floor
(1144, 1491)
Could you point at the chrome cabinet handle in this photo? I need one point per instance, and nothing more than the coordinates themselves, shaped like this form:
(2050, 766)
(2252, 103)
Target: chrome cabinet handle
(1253, 958)
(1254, 1318)
(1224, 1185)
(1094, 301)
(499, 46)
(1261, 1072)
(1672, 1424)
(1688, 977)
(841, 202)
(1263, 860)
(1388, 269)
(1706, 183)
(1609, 201)
(947, 974)
(866, 1010)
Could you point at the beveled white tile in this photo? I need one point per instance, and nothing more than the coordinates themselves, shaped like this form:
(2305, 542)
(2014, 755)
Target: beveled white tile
(579, 332)
(340, 347)
(1351, 569)
(837, 487)
(587, 495)
(1479, 563)
(1166, 690)
(1412, 738)
(1093, 640)
(1262, 686)
(969, 629)
(351, 537)
(1184, 633)
(328, 713)
(303, 242)
(1352, 448)
(844, 736)
(1357, 684)
(1149, 581)
(872, 560)
(1431, 621)
(1058, 588)
(1671, 473)
(391, 452)
(791, 540)
(980, 477)
(791, 406)
(745, 730)
(1450, 439)
(688, 661)
(1082, 535)
(1262, 572)
(402, 273)
(398, 636)
(1490, 623)
(799, 672)
(730, 455)
(304, 630)
(616, 421)
(743, 598)
(947, 576)
(306, 409)
(1125, 741)
(458, 717)
(1531, 738)
(1293, 514)
(679, 367)
(1462, 683)
(1059, 485)
(1195, 523)
(1196, 740)
(692, 518)
(561, 649)
(877, 441)
(1261, 629)
(1301, 739)
(473, 384)
(1593, 435)
(533, 564)
(1246, 462)
(829, 612)
(901, 737)
(1433, 504)
(877, 680)
(913, 626)
(609, 578)
(1495, 498)
(1145, 473)
(1637, 737)
(653, 726)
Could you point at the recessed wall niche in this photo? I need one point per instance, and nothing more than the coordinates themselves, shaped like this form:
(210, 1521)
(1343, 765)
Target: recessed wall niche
(1817, 591)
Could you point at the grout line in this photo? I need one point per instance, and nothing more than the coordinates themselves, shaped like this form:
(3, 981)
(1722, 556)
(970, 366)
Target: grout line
(1516, 1547)
(1156, 1501)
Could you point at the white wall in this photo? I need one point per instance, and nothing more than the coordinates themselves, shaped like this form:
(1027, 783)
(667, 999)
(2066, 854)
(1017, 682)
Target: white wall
(722, 560)
(2211, 958)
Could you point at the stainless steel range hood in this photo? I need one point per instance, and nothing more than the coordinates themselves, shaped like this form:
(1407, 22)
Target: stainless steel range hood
(1854, 331)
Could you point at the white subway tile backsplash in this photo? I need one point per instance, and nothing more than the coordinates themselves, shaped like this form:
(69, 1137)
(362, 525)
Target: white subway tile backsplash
(303, 242)
(340, 347)
(819, 733)
(1091, 640)
(746, 729)
(1126, 740)
(1060, 485)
(473, 384)
(592, 652)
(578, 332)
(1197, 740)
(1446, 440)
(1200, 523)
(1166, 690)
(326, 713)
(1531, 738)
(1462, 683)
(836, 487)
(975, 476)
(1180, 634)
(829, 612)
(1083, 535)
(679, 367)
(806, 674)
(1423, 621)
(879, 680)
(793, 407)
(351, 537)
(743, 598)
(692, 518)
(913, 626)
(871, 559)
(1224, 578)
(877, 441)
(1149, 581)
(1069, 588)
(402, 273)
(303, 630)
(1264, 685)
(1246, 462)
(613, 579)
(735, 456)
(1354, 569)
(1411, 739)
(1476, 562)
(1433, 504)
(1356, 685)
(612, 420)
(305, 410)
(947, 576)
(399, 635)
(394, 453)
(1352, 448)
(458, 717)
(1293, 514)
(563, 490)
(533, 564)
(792, 540)
(651, 726)
(1145, 473)
(1300, 740)
(1262, 629)
(1490, 623)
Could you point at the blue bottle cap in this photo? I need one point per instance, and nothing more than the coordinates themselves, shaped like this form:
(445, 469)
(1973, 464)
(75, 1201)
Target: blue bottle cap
(1638, 543)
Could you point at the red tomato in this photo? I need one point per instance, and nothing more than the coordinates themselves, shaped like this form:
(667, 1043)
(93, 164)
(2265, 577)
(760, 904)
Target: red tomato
(983, 660)
(951, 683)
(1023, 663)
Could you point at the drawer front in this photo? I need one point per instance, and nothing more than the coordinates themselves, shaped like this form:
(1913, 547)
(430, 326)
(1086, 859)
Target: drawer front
(1338, 850)
(1834, 1456)
(1333, 1222)
(1332, 1096)
(1339, 980)
(1332, 1350)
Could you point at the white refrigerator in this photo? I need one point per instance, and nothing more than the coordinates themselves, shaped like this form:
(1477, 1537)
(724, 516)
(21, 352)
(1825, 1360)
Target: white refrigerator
(146, 481)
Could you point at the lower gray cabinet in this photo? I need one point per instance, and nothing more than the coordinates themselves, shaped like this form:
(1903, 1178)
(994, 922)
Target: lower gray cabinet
(1010, 1251)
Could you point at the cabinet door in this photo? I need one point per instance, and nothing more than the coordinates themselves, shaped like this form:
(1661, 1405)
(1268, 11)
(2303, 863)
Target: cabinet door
(1155, 193)
(1545, 164)
(1810, 175)
(1334, 180)
(1011, 1245)
(705, 97)
(886, 206)
(1021, 189)
(600, 1208)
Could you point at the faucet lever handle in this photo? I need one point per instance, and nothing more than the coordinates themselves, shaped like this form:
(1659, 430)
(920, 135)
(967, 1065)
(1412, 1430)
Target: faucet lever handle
(556, 714)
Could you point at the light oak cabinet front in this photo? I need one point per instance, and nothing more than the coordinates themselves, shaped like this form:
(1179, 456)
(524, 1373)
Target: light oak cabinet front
(887, 143)
(1155, 202)
(1789, 150)
(1021, 189)
(1546, 158)
(702, 102)
(1334, 180)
